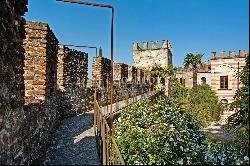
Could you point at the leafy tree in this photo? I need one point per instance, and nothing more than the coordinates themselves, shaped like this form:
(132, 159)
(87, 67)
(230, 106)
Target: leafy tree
(193, 60)
(202, 103)
(168, 72)
(240, 119)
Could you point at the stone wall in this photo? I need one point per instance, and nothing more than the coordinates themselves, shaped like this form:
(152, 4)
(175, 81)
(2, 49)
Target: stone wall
(132, 74)
(145, 57)
(120, 72)
(101, 68)
(126, 81)
(11, 54)
(22, 130)
(72, 78)
(40, 62)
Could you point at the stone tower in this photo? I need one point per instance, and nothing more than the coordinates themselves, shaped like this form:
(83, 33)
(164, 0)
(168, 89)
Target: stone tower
(146, 57)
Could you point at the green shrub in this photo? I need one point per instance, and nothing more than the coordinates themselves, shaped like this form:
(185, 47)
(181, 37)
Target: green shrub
(202, 104)
(161, 133)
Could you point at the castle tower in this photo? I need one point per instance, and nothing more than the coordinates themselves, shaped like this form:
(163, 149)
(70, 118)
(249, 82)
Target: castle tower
(146, 57)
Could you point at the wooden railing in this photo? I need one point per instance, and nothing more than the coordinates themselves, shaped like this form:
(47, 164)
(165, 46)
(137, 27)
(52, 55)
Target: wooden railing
(107, 148)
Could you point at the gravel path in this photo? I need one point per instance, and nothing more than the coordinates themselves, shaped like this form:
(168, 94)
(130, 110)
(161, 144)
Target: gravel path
(218, 129)
(74, 143)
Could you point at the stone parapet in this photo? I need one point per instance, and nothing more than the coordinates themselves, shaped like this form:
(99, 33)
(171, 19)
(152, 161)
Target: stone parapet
(40, 62)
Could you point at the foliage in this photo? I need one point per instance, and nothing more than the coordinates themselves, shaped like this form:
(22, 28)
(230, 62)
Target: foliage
(202, 104)
(168, 72)
(158, 132)
(180, 93)
(193, 60)
(164, 72)
(241, 105)
(219, 153)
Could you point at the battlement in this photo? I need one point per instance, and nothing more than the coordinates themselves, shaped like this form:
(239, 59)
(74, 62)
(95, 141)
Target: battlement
(154, 45)
(223, 55)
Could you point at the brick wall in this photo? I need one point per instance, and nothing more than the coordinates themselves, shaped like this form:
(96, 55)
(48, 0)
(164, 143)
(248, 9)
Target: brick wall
(101, 71)
(40, 62)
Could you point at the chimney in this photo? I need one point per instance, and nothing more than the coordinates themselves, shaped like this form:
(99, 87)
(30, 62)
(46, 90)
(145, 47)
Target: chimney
(232, 54)
(164, 43)
(222, 54)
(154, 44)
(241, 53)
(135, 46)
(213, 55)
(145, 45)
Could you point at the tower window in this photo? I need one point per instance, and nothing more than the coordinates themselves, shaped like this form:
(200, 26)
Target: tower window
(223, 82)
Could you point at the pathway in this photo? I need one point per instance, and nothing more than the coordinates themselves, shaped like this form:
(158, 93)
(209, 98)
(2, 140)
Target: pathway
(218, 128)
(74, 143)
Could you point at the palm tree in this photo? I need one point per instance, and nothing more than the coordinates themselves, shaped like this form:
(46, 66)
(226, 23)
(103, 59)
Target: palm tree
(193, 60)
(168, 72)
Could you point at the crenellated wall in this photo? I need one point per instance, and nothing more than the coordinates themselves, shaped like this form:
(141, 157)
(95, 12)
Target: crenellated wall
(120, 71)
(128, 80)
(227, 65)
(145, 57)
(101, 68)
(72, 73)
(132, 74)
(40, 62)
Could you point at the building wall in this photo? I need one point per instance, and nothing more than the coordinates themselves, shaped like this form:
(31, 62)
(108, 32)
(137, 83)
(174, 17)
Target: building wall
(186, 75)
(206, 75)
(226, 66)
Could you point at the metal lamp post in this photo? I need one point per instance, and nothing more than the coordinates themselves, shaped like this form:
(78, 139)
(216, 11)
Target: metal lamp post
(112, 50)
(81, 46)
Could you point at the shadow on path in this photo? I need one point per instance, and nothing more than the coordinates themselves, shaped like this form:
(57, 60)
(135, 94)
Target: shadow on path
(74, 143)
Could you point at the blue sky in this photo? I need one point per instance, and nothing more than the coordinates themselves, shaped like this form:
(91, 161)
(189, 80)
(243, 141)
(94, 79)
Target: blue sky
(190, 25)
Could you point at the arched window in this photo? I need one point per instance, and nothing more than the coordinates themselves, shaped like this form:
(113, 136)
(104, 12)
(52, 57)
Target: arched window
(203, 80)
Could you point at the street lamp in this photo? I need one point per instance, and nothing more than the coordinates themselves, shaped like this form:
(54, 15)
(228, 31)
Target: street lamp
(112, 50)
